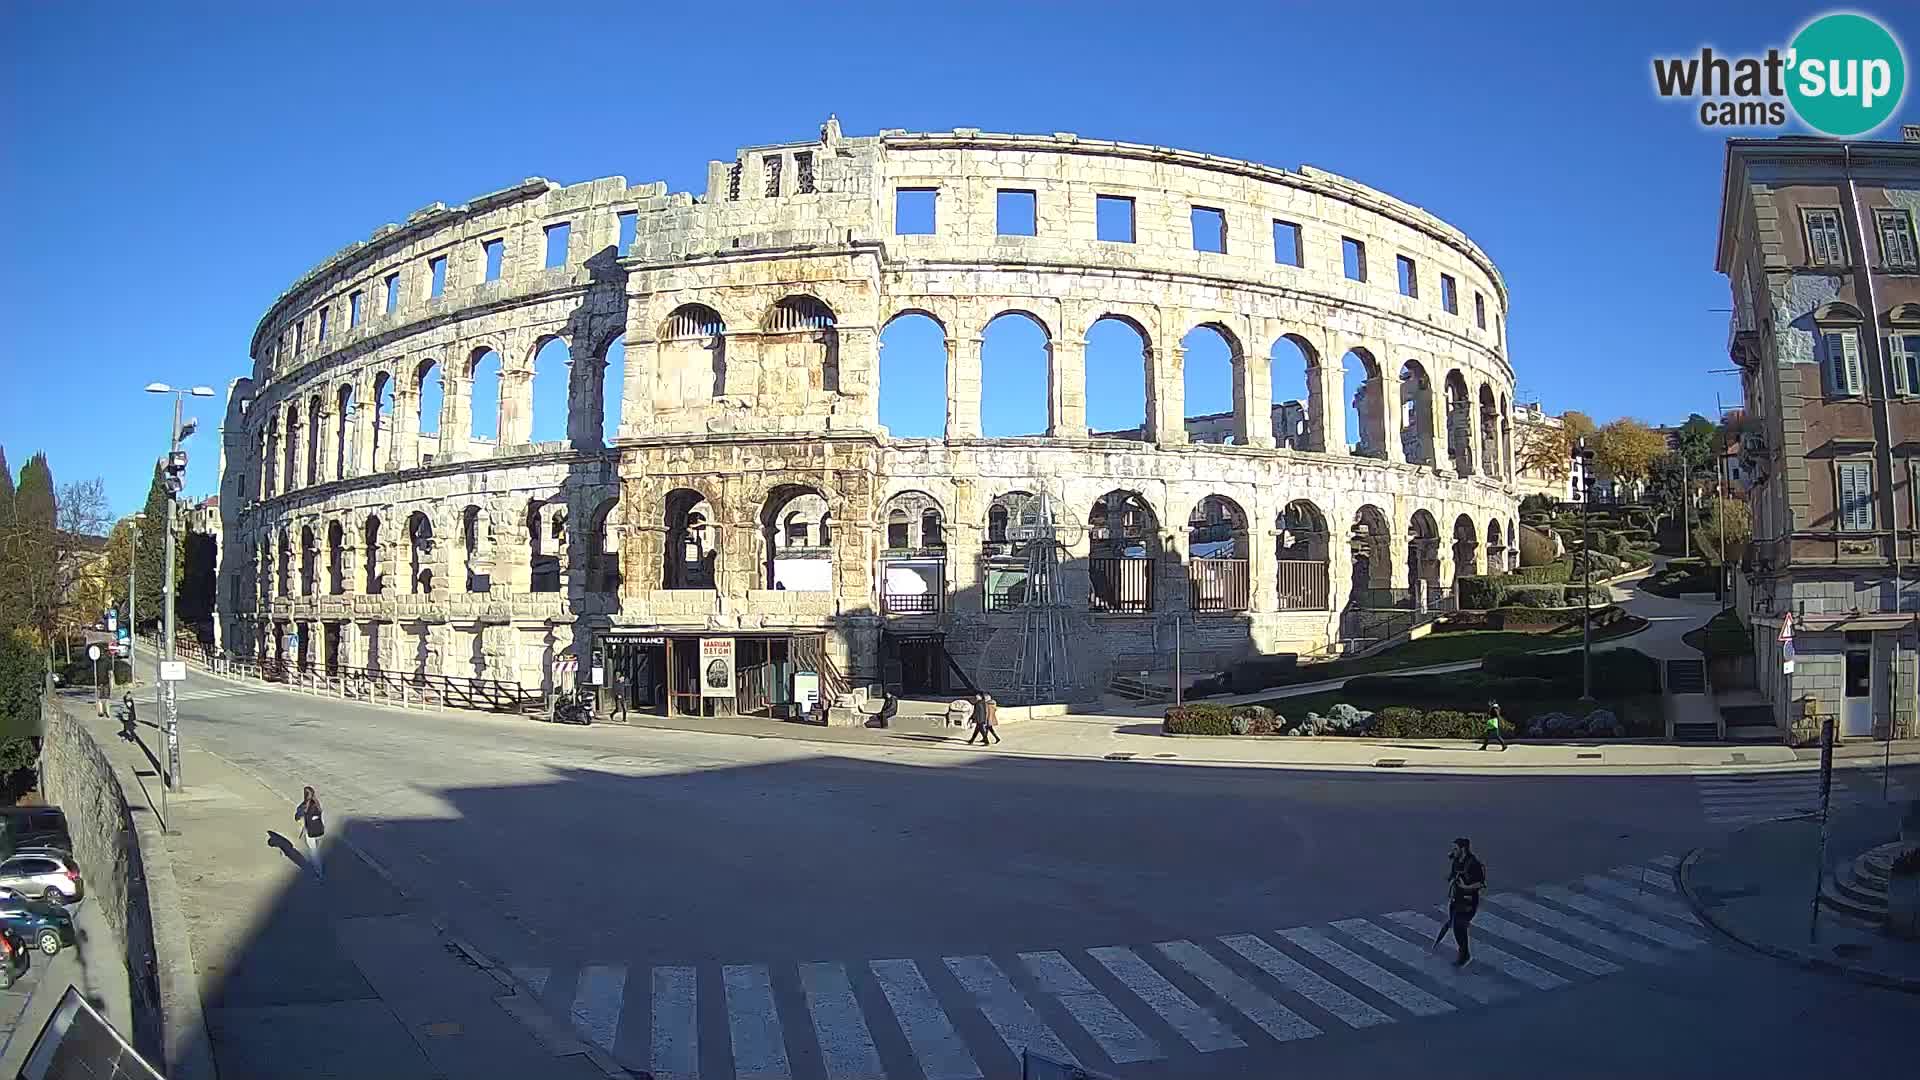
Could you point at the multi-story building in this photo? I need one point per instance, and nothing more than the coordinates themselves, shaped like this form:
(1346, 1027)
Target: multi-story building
(1562, 484)
(1817, 242)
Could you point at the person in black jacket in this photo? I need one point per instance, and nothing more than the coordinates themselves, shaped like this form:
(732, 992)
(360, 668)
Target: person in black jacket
(312, 827)
(1466, 880)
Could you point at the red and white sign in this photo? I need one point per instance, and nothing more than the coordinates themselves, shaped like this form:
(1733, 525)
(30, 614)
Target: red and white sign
(1786, 627)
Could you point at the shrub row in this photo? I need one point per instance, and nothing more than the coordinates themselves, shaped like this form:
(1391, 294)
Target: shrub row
(1408, 722)
(1622, 672)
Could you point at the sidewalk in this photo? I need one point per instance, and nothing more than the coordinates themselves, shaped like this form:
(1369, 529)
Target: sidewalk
(96, 964)
(1757, 888)
(302, 979)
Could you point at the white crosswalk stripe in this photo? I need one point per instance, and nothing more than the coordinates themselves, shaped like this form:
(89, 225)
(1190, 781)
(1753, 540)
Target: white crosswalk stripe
(1750, 798)
(893, 1020)
(1118, 1037)
(942, 1055)
(1654, 902)
(201, 694)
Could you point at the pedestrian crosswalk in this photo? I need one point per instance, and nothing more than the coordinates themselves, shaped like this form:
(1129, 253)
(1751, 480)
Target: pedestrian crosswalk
(206, 692)
(1752, 797)
(970, 1017)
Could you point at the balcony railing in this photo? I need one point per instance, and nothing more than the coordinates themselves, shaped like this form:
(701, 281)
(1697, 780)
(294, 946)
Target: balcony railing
(1217, 585)
(1302, 584)
(910, 603)
(1123, 585)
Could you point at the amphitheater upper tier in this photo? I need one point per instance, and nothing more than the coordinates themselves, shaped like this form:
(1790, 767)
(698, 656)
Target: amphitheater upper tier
(605, 422)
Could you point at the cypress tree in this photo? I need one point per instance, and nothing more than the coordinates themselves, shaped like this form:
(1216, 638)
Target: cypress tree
(12, 553)
(151, 552)
(34, 546)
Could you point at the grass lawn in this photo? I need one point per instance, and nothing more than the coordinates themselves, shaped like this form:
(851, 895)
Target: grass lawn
(1448, 647)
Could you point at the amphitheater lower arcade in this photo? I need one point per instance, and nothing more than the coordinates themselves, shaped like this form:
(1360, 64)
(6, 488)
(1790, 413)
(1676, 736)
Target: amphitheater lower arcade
(665, 434)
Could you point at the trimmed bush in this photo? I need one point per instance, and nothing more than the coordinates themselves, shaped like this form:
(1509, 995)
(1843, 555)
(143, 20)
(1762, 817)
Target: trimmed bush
(1198, 720)
(1478, 592)
(1262, 672)
(1537, 596)
(1553, 573)
(1622, 672)
(1536, 547)
(1406, 722)
(1256, 719)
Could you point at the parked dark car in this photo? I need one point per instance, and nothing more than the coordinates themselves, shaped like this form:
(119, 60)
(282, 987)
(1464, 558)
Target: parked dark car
(13, 957)
(47, 926)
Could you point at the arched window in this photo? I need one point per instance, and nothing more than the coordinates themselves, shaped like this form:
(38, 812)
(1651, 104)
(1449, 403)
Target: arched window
(798, 534)
(1496, 548)
(899, 531)
(483, 398)
(1459, 424)
(1423, 558)
(336, 559)
(426, 385)
(345, 440)
(290, 470)
(913, 567)
(1217, 568)
(1416, 409)
(420, 553)
(1116, 378)
(1302, 551)
(1366, 405)
(309, 561)
(931, 533)
(799, 335)
(1506, 438)
(691, 556)
(613, 386)
(913, 377)
(551, 387)
(1466, 548)
(1124, 542)
(1016, 358)
(1295, 386)
(693, 356)
(603, 550)
(1211, 364)
(546, 535)
(1490, 461)
(314, 445)
(476, 537)
(1004, 568)
(382, 418)
(375, 580)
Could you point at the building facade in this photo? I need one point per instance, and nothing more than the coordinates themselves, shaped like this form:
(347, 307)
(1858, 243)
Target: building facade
(1817, 243)
(714, 467)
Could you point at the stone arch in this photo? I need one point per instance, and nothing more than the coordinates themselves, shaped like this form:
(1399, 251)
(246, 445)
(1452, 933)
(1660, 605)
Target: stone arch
(1513, 546)
(545, 527)
(1124, 547)
(346, 437)
(692, 356)
(1212, 373)
(1294, 365)
(486, 397)
(420, 553)
(1370, 543)
(1217, 556)
(1506, 438)
(1489, 433)
(263, 576)
(610, 371)
(603, 549)
(1303, 552)
(290, 468)
(550, 394)
(476, 546)
(336, 559)
(1016, 361)
(315, 441)
(1415, 426)
(309, 561)
(799, 335)
(283, 583)
(1006, 515)
(915, 357)
(797, 528)
(1366, 396)
(1459, 423)
(1466, 547)
(692, 550)
(370, 554)
(1423, 557)
(1496, 547)
(906, 518)
(428, 397)
(1118, 369)
(382, 404)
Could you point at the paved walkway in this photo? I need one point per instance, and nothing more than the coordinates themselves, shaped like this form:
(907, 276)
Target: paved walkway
(96, 964)
(304, 979)
(1758, 885)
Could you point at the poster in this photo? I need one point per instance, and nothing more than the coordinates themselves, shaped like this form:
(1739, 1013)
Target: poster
(716, 667)
(806, 691)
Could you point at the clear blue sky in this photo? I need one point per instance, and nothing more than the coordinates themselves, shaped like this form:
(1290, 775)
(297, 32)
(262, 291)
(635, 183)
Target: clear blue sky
(168, 173)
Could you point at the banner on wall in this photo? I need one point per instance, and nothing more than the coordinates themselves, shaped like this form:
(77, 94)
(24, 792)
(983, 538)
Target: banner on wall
(716, 667)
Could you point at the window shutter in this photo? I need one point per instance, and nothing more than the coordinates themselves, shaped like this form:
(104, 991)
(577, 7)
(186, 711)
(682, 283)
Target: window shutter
(1850, 345)
(1896, 362)
(1856, 496)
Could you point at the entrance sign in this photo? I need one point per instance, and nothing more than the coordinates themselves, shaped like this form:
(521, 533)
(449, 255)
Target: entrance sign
(173, 670)
(716, 667)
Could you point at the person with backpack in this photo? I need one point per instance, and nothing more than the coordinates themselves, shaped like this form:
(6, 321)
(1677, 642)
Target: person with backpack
(1466, 880)
(1493, 727)
(312, 827)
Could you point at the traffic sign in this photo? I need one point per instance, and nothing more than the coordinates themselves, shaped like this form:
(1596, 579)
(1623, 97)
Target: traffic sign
(93, 652)
(1786, 627)
(173, 670)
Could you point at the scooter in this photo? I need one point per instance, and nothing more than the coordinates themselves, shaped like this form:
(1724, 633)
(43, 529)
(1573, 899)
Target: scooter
(574, 708)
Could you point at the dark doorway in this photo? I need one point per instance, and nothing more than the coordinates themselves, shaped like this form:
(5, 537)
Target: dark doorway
(916, 664)
(332, 649)
(636, 666)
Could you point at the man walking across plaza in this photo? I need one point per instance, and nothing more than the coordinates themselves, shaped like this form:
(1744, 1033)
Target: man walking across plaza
(1466, 880)
(1493, 727)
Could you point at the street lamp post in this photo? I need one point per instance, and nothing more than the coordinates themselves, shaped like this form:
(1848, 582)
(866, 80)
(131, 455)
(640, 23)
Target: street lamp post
(175, 469)
(133, 567)
(1582, 462)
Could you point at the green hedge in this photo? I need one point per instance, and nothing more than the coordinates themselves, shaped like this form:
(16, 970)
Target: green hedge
(1620, 672)
(1198, 720)
(1539, 596)
(1262, 672)
(1455, 686)
(1407, 722)
(1554, 573)
(1478, 592)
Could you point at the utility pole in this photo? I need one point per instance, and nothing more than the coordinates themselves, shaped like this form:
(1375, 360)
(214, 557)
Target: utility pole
(133, 567)
(1582, 460)
(174, 477)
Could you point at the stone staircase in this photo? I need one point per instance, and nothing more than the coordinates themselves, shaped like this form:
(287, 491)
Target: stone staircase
(1858, 892)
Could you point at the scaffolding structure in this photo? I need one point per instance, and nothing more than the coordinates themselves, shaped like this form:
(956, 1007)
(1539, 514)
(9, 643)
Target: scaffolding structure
(1042, 673)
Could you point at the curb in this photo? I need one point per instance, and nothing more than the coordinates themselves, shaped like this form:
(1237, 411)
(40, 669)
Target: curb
(1812, 962)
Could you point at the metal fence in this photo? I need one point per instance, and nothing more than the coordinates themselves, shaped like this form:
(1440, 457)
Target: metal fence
(1217, 586)
(408, 689)
(1303, 584)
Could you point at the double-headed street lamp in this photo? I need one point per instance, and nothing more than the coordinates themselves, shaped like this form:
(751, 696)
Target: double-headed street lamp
(175, 475)
(1583, 470)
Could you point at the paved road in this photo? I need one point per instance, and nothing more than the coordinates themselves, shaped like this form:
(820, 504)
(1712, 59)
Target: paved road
(904, 912)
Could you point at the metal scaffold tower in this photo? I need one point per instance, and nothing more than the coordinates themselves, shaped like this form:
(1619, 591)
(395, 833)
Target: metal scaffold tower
(1042, 674)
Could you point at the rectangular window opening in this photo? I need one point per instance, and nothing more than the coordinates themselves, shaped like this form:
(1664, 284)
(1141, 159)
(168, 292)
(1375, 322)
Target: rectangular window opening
(1825, 244)
(1480, 310)
(1209, 230)
(1286, 244)
(355, 303)
(915, 211)
(773, 166)
(1353, 258)
(495, 252)
(1449, 295)
(1842, 362)
(393, 292)
(1855, 479)
(1015, 213)
(559, 235)
(1903, 362)
(1113, 218)
(1409, 276)
(1896, 240)
(629, 221)
(436, 276)
(803, 172)
(323, 323)
(300, 336)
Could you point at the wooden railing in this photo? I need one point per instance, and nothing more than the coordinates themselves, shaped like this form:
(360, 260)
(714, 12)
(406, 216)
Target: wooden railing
(1302, 584)
(1218, 586)
(1121, 585)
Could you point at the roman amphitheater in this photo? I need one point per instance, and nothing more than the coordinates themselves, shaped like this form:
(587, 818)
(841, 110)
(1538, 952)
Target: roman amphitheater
(605, 427)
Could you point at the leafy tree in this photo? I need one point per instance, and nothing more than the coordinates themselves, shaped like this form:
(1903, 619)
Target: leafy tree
(1627, 449)
(1724, 531)
(11, 587)
(151, 552)
(1578, 424)
(22, 678)
(1697, 442)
